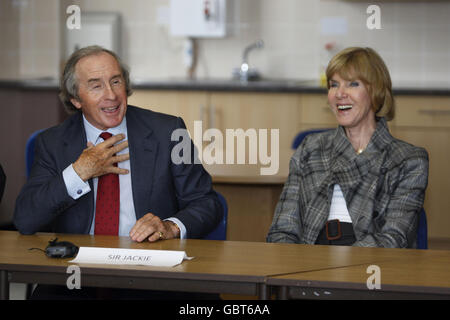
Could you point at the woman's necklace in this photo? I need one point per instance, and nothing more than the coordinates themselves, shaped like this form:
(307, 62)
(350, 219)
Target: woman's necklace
(361, 148)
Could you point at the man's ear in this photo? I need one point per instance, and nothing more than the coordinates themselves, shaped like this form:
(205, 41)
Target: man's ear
(76, 103)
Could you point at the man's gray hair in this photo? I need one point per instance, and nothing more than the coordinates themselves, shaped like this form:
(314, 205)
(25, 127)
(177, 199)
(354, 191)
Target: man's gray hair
(69, 82)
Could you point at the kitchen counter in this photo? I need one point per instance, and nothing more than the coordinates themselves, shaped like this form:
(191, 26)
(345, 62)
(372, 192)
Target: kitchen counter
(32, 84)
(276, 85)
(227, 85)
(273, 85)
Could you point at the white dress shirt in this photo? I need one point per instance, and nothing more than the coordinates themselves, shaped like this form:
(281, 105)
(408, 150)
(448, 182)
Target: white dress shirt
(76, 187)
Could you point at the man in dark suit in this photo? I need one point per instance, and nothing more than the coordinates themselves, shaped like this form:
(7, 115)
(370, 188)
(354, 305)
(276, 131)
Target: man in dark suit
(159, 199)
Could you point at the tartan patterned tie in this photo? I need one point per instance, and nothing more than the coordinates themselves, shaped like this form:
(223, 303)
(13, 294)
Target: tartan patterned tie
(108, 201)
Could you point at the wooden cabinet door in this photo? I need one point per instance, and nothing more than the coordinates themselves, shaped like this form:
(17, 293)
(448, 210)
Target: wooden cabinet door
(315, 113)
(437, 200)
(425, 122)
(189, 105)
(251, 205)
(259, 111)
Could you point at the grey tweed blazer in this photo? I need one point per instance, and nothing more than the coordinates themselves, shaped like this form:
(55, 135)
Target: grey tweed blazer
(384, 188)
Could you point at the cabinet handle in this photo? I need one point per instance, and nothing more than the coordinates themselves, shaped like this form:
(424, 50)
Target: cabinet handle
(435, 112)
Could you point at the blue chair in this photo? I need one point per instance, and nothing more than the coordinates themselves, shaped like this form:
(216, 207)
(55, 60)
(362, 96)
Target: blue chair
(422, 229)
(29, 151)
(29, 157)
(302, 134)
(220, 233)
(2, 182)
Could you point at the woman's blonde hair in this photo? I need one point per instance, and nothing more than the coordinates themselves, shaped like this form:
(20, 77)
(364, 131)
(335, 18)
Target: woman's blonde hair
(366, 65)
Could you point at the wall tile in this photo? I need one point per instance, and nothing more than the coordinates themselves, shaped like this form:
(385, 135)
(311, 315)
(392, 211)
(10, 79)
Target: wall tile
(413, 40)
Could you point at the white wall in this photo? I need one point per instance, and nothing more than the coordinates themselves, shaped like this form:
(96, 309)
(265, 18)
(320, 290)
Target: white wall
(414, 39)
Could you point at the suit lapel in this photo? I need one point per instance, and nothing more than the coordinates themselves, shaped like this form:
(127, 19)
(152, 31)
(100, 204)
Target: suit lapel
(143, 150)
(74, 140)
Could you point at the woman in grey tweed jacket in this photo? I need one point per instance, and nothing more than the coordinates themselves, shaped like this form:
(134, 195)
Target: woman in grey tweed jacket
(382, 179)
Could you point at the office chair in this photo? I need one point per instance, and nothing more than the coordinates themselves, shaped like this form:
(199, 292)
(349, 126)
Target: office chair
(220, 233)
(302, 134)
(29, 151)
(422, 229)
(29, 157)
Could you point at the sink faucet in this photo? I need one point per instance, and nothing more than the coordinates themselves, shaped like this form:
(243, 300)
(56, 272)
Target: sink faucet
(245, 73)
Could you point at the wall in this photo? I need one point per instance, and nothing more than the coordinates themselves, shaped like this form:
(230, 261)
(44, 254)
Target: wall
(9, 37)
(413, 39)
(30, 39)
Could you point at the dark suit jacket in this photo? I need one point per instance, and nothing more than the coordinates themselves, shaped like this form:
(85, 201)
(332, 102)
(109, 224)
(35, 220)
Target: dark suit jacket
(183, 191)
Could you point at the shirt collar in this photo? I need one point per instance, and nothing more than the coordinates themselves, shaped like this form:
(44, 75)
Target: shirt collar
(92, 133)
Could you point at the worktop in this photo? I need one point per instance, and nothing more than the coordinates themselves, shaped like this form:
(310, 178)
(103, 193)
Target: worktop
(228, 85)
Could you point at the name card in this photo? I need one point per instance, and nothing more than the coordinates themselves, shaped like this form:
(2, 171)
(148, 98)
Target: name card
(156, 258)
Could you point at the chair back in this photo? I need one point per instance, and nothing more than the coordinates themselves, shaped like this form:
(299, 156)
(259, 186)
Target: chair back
(29, 151)
(2, 182)
(220, 232)
(302, 134)
(422, 231)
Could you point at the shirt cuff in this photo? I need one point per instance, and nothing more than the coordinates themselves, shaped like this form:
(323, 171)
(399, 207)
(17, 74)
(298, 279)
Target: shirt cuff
(180, 226)
(75, 186)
